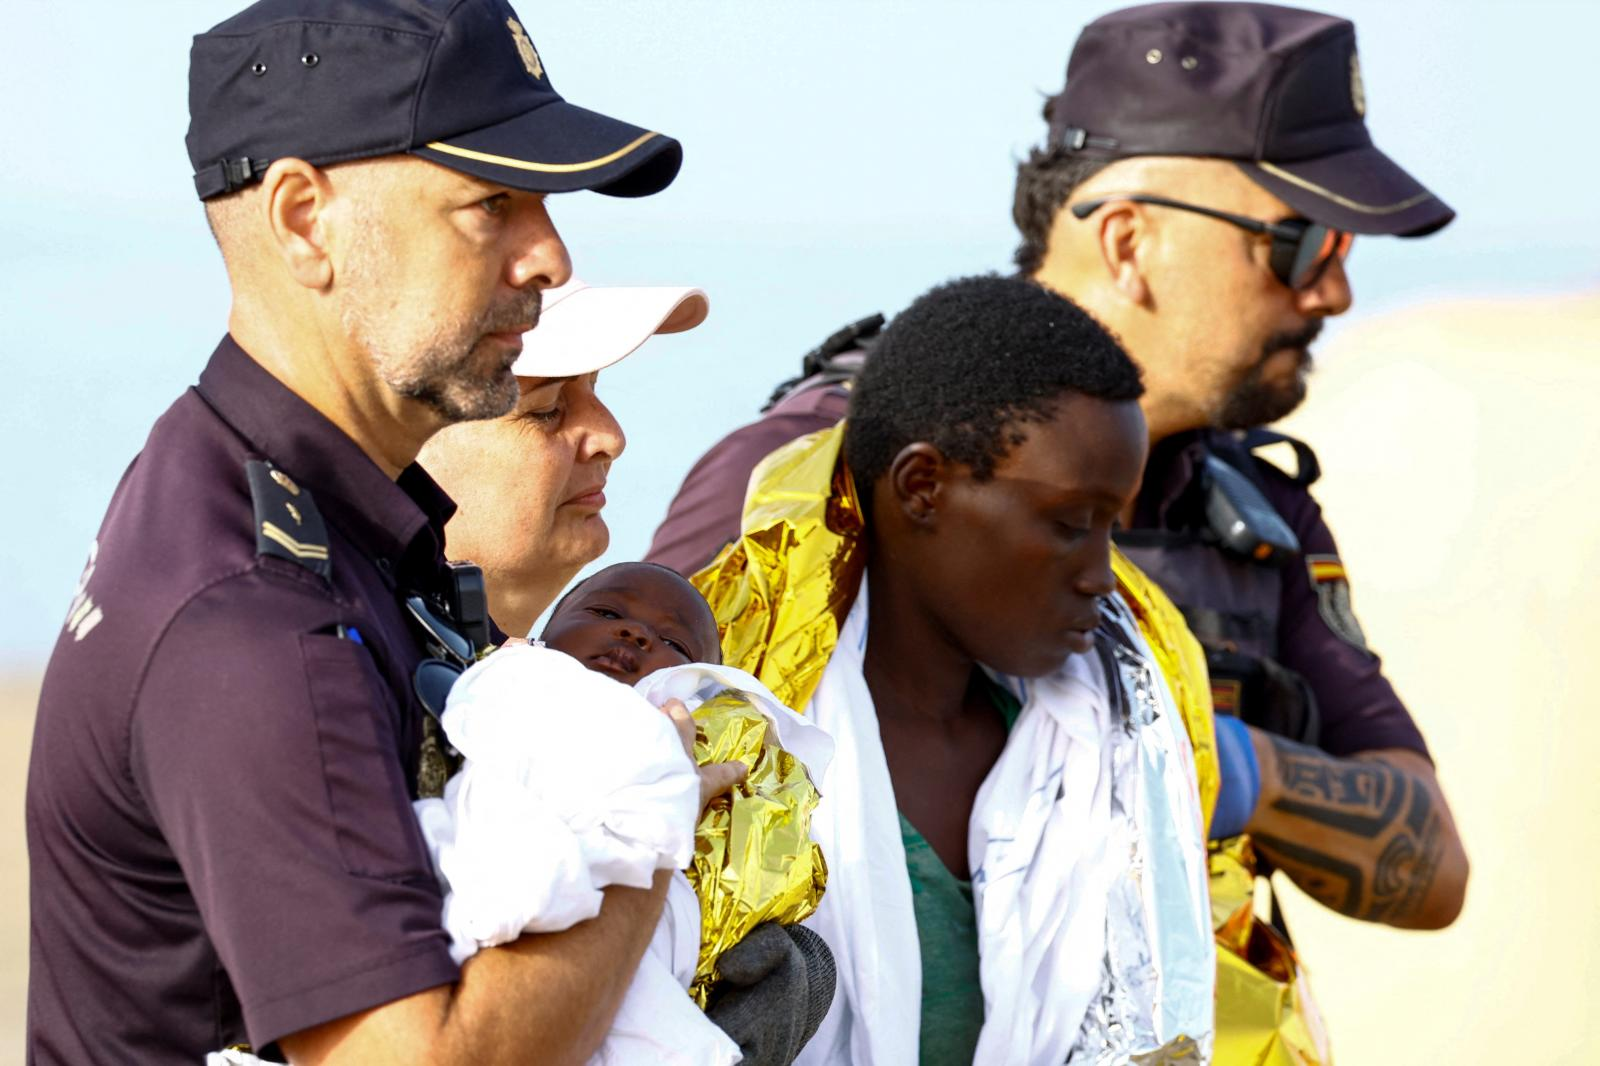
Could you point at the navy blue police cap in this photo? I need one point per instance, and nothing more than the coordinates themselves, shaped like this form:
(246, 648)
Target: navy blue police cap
(455, 81)
(1277, 89)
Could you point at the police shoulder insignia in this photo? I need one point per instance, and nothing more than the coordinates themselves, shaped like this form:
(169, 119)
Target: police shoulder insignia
(288, 524)
(1333, 598)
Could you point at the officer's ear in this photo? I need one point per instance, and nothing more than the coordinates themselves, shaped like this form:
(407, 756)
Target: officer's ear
(1124, 237)
(916, 483)
(296, 197)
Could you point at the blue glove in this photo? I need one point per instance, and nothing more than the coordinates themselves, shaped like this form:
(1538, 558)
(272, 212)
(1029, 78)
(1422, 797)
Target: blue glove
(1241, 778)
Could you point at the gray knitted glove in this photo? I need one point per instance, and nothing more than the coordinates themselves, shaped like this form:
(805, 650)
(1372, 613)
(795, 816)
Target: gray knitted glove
(776, 985)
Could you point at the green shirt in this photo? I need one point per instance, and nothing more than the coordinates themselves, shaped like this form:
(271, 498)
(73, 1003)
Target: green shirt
(947, 932)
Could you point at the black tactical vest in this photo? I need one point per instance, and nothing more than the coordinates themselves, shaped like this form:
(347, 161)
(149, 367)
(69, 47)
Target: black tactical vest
(1231, 600)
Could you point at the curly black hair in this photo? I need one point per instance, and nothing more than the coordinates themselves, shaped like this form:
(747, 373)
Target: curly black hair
(1044, 182)
(969, 363)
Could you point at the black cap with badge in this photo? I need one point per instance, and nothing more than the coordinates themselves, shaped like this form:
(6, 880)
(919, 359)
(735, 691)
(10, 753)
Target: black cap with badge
(455, 81)
(1277, 89)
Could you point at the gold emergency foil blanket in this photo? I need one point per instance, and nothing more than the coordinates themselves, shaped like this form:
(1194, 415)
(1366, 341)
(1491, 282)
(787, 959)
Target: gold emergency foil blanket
(1266, 1015)
(1233, 892)
(754, 860)
(1266, 1022)
(783, 589)
(1183, 663)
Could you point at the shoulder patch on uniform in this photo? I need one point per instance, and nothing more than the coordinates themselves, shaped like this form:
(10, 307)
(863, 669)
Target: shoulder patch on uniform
(288, 523)
(1332, 587)
(1226, 696)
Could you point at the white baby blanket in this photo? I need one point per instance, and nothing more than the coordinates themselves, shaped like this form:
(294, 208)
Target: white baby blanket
(572, 782)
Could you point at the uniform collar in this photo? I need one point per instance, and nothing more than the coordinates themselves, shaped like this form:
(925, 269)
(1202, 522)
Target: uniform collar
(400, 523)
(1169, 477)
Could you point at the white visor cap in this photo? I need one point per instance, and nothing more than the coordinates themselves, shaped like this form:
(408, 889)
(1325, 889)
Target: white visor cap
(583, 328)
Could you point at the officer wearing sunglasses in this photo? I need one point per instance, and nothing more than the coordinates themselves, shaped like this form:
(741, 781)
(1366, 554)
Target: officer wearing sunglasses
(1205, 172)
(1302, 250)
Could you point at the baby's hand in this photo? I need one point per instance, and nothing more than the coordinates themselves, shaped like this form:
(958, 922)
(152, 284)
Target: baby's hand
(715, 778)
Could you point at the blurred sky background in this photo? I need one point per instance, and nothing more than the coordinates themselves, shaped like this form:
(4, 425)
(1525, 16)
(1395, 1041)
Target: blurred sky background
(840, 158)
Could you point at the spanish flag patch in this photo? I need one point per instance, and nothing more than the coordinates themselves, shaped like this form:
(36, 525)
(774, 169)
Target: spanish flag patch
(1325, 568)
(1226, 696)
(1332, 587)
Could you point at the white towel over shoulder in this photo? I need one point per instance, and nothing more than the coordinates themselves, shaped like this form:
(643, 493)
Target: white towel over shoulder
(1087, 824)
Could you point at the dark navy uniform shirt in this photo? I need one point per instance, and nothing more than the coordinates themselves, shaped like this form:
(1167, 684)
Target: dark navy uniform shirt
(219, 815)
(1358, 706)
(1316, 634)
(704, 517)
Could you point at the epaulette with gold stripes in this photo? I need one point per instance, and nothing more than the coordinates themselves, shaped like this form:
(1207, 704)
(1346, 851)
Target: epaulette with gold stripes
(288, 524)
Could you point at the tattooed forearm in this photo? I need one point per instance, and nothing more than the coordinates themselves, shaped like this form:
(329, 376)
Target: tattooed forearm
(1406, 867)
(1331, 882)
(1380, 858)
(1360, 798)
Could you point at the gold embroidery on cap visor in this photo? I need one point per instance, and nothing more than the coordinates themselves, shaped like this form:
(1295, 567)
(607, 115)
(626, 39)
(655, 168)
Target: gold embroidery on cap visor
(542, 168)
(1343, 201)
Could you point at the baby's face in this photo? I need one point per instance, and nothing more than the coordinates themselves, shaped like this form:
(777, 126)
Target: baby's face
(633, 619)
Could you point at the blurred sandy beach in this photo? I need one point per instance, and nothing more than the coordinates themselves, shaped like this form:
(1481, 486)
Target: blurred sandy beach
(1460, 444)
(17, 699)
(1461, 452)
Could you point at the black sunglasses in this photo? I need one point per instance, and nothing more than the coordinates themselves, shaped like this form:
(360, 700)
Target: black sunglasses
(1301, 249)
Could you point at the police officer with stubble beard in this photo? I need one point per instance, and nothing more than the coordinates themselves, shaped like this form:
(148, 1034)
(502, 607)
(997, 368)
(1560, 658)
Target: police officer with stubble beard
(241, 707)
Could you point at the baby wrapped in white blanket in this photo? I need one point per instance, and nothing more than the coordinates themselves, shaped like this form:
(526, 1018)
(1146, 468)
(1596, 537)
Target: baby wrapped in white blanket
(574, 781)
